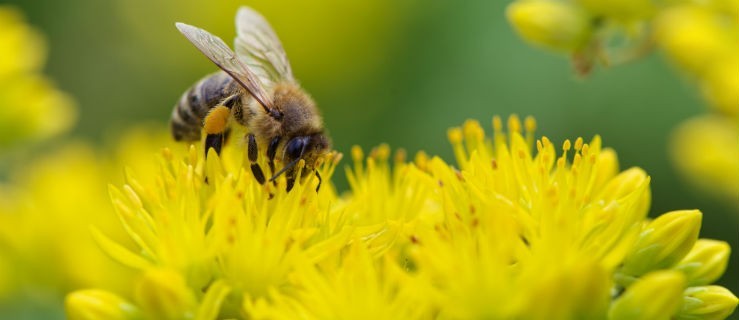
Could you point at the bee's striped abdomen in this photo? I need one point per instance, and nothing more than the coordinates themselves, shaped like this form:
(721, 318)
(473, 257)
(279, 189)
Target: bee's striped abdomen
(193, 106)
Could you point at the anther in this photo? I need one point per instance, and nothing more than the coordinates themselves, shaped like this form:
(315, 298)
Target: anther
(514, 124)
(530, 124)
(357, 154)
(455, 135)
(400, 156)
(497, 124)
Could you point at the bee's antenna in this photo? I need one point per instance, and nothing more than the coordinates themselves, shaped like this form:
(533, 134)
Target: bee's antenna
(287, 167)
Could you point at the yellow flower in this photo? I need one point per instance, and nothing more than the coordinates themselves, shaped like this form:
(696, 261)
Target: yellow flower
(551, 24)
(31, 108)
(47, 208)
(509, 233)
(694, 36)
(706, 150)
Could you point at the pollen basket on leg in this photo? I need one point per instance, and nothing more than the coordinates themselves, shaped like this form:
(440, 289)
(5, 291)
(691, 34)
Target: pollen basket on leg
(217, 120)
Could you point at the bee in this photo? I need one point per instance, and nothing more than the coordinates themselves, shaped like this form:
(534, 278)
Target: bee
(256, 88)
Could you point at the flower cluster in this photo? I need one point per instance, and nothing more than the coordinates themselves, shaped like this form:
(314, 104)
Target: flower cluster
(701, 38)
(47, 207)
(31, 108)
(510, 233)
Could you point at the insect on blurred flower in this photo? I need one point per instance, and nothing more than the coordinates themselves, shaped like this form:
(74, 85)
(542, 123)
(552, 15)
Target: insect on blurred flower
(508, 229)
(31, 108)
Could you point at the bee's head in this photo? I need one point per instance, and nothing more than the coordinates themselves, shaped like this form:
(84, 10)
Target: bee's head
(308, 148)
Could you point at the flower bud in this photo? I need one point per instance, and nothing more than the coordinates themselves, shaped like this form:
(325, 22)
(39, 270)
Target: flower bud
(708, 302)
(165, 294)
(693, 37)
(706, 262)
(554, 25)
(663, 242)
(98, 304)
(657, 295)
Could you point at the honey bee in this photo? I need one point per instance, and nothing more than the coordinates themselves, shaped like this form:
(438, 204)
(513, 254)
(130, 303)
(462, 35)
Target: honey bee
(256, 88)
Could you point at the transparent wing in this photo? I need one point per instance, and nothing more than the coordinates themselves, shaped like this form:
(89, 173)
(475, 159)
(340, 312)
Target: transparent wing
(257, 45)
(217, 51)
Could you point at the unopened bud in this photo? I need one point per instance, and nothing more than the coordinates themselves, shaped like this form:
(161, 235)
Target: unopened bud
(555, 25)
(657, 295)
(708, 302)
(706, 262)
(98, 304)
(663, 242)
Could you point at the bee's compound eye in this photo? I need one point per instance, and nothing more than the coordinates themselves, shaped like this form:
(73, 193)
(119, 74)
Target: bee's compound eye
(296, 147)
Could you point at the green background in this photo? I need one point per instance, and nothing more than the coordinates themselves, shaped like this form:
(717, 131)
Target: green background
(397, 72)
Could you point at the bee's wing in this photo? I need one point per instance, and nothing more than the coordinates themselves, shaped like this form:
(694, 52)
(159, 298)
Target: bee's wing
(217, 51)
(257, 44)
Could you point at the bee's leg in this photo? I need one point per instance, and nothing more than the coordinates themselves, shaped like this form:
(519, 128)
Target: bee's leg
(215, 125)
(271, 152)
(214, 141)
(318, 175)
(290, 183)
(252, 152)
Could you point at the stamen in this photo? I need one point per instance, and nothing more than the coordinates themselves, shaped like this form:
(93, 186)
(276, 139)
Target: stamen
(421, 160)
(455, 135)
(514, 124)
(578, 143)
(357, 154)
(473, 130)
(381, 153)
(530, 124)
(497, 125)
(400, 156)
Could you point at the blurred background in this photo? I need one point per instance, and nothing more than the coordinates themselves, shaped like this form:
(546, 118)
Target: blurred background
(397, 72)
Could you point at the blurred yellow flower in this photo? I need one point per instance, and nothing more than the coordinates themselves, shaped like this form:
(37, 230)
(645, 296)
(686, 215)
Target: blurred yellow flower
(706, 150)
(700, 38)
(511, 233)
(31, 108)
(552, 24)
(47, 208)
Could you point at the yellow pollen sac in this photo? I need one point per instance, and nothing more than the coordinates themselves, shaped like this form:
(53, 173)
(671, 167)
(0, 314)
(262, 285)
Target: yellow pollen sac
(473, 130)
(455, 135)
(357, 153)
(497, 124)
(400, 156)
(578, 143)
(421, 160)
(514, 124)
(545, 141)
(382, 152)
(585, 149)
(216, 120)
(567, 145)
(530, 124)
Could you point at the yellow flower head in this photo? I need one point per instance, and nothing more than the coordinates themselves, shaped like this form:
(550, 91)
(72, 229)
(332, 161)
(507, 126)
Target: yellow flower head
(706, 150)
(31, 108)
(512, 232)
